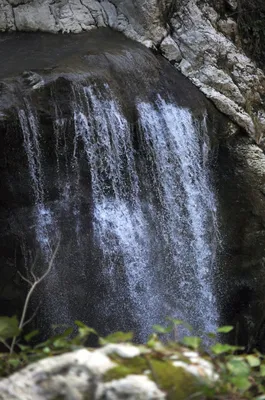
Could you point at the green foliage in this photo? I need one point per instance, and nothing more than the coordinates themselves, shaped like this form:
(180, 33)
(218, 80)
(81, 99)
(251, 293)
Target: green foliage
(8, 328)
(239, 376)
(253, 361)
(162, 329)
(238, 366)
(192, 341)
(84, 331)
(117, 337)
(225, 329)
(177, 322)
(262, 370)
(220, 348)
(55, 345)
(31, 335)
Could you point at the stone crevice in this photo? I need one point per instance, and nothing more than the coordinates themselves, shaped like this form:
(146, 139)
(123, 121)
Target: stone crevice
(92, 14)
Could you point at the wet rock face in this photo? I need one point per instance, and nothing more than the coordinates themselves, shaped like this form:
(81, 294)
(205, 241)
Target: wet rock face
(242, 205)
(212, 58)
(45, 175)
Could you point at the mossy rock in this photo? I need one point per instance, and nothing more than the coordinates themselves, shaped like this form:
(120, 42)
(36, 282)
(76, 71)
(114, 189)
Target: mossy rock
(175, 381)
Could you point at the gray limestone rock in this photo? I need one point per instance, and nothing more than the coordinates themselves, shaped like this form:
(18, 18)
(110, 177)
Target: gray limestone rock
(80, 376)
(36, 16)
(7, 22)
(203, 41)
(131, 388)
(170, 49)
(69, 376)
(221, 71)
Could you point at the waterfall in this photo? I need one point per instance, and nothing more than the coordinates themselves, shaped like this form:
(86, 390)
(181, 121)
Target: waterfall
(31, 135)
(120, 226)
(187, 218)
(153, 206)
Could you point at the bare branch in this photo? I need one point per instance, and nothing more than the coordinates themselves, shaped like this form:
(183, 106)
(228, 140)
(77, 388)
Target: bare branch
(33, 267)
(24, 279)
(33, 316)
(50, 264)
(30, 293)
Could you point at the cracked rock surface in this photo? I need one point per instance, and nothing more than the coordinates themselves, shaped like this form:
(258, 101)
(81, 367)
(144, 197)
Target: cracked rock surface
(221, 70)
(189, 33)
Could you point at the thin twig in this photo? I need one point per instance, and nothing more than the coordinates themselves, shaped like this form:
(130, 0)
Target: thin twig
(33, 316)
(33, 267)
(24, 279)
(31, 291)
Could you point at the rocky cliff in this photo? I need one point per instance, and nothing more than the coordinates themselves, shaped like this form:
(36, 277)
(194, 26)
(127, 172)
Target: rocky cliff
(203, 44)
(203, 40)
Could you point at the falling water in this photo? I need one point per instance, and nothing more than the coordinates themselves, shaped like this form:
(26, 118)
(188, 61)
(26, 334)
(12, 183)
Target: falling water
(154, 211)
(119, 223)
(187, 218)
(31, 134)
(45, 225)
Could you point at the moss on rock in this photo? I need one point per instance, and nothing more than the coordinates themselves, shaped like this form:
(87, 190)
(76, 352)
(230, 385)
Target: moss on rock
(175, 381)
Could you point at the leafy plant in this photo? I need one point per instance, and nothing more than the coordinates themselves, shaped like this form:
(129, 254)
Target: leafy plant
(240, 376)
(117, 337)
(9, 328)
(192, 341)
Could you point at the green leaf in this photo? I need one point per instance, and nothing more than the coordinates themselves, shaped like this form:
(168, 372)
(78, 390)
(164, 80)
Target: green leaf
(262, 370)
(253, 361)
(117, 337)
(178, 322)
(152, 340)
(23, 347)
(8, 327)
(238, 367)
(162, 329)
(211, 335)
(42, 345)
(46, 350)
(225, 329)
(262, 397)
(63, 340)
(241, 382)
(14, 362)
(31, 335)
(220, 348)
(61, 343)
(84, 331)
(67, 332)
(192, 341)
